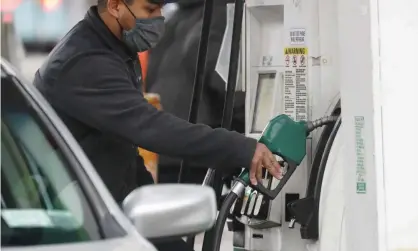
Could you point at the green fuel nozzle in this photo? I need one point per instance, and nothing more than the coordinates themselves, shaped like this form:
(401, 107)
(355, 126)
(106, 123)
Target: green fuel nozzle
(286, 138)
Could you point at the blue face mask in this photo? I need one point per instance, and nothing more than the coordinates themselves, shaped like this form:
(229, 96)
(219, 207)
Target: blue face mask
(145, 34)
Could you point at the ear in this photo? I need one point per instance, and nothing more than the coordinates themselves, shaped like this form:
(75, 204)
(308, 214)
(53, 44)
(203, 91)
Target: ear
(114, 8)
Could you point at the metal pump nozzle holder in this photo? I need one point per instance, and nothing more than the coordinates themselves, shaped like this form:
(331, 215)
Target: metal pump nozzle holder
(254, 208)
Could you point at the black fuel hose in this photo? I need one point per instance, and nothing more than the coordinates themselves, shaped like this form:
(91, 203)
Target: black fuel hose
(324, 161)
(312, 125)
(221, 220)
(213, 238)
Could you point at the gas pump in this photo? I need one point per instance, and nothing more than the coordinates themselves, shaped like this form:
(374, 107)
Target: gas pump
(282, 72)
(298, 55)
(279, 67)
(283, 75)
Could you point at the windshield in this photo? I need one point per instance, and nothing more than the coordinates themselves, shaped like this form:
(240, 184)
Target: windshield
(41, 200)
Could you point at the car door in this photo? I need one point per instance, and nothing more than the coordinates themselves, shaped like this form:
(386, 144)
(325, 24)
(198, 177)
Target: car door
(48, 199)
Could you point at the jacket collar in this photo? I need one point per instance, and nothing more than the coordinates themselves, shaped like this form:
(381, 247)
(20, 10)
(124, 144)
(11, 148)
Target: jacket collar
(92, 17)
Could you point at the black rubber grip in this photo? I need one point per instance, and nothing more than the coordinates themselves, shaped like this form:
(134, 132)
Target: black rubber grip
(271, 194)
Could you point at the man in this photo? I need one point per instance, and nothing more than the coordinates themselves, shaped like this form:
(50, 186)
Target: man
(171, 72)
(92, 79)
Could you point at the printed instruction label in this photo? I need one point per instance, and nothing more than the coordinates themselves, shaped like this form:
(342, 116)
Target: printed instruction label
(295, 83)
(360, 155)
(298, 36)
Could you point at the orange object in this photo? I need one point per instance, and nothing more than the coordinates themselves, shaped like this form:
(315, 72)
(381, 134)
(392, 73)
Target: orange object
(143, 61)
(150, 158)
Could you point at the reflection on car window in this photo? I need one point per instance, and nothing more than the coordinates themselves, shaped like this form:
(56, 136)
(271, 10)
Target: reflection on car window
(41, 200)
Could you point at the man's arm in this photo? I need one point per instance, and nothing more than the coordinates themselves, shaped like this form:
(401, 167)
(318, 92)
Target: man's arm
(97, 90)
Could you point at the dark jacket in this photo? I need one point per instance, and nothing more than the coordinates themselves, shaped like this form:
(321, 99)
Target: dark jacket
(172, 68)
(93, 83)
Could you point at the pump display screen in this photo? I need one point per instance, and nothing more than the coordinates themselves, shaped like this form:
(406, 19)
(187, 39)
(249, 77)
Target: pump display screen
(263, 101)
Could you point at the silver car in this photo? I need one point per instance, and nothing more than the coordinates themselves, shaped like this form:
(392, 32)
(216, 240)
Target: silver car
(53, 199)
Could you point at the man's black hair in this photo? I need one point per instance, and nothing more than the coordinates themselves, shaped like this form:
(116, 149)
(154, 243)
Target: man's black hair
(101, 4)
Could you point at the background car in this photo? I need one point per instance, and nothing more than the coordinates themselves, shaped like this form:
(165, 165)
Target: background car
(52, 197)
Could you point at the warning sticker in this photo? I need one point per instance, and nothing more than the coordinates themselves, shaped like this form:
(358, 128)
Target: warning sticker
(360, 154)
(296, 50)
(295, 83)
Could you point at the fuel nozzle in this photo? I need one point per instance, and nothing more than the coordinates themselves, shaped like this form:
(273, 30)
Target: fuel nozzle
(286, 138)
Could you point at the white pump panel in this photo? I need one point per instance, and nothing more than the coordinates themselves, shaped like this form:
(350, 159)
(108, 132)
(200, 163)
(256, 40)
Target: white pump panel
(264, 63)
(368, 199)
(282, 76)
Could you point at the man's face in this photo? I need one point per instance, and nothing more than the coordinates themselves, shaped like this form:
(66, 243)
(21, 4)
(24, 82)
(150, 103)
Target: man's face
(139, 8)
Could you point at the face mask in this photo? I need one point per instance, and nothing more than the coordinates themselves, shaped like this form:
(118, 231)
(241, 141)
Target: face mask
(145, 34)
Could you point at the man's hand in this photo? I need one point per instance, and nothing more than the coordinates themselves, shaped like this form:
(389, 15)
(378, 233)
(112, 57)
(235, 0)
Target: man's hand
(263, 158)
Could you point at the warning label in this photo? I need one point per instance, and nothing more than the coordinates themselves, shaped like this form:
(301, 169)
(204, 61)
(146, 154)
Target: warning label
(295, 50)
(295, 83)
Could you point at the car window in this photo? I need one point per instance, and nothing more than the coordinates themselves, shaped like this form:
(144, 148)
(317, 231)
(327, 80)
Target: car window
(41, 200)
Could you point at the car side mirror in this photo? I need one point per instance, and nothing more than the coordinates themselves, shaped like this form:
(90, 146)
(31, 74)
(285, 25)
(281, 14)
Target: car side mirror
(171, 210)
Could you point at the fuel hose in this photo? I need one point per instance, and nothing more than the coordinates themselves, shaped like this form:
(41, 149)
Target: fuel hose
(216, 231)
(223, 214)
